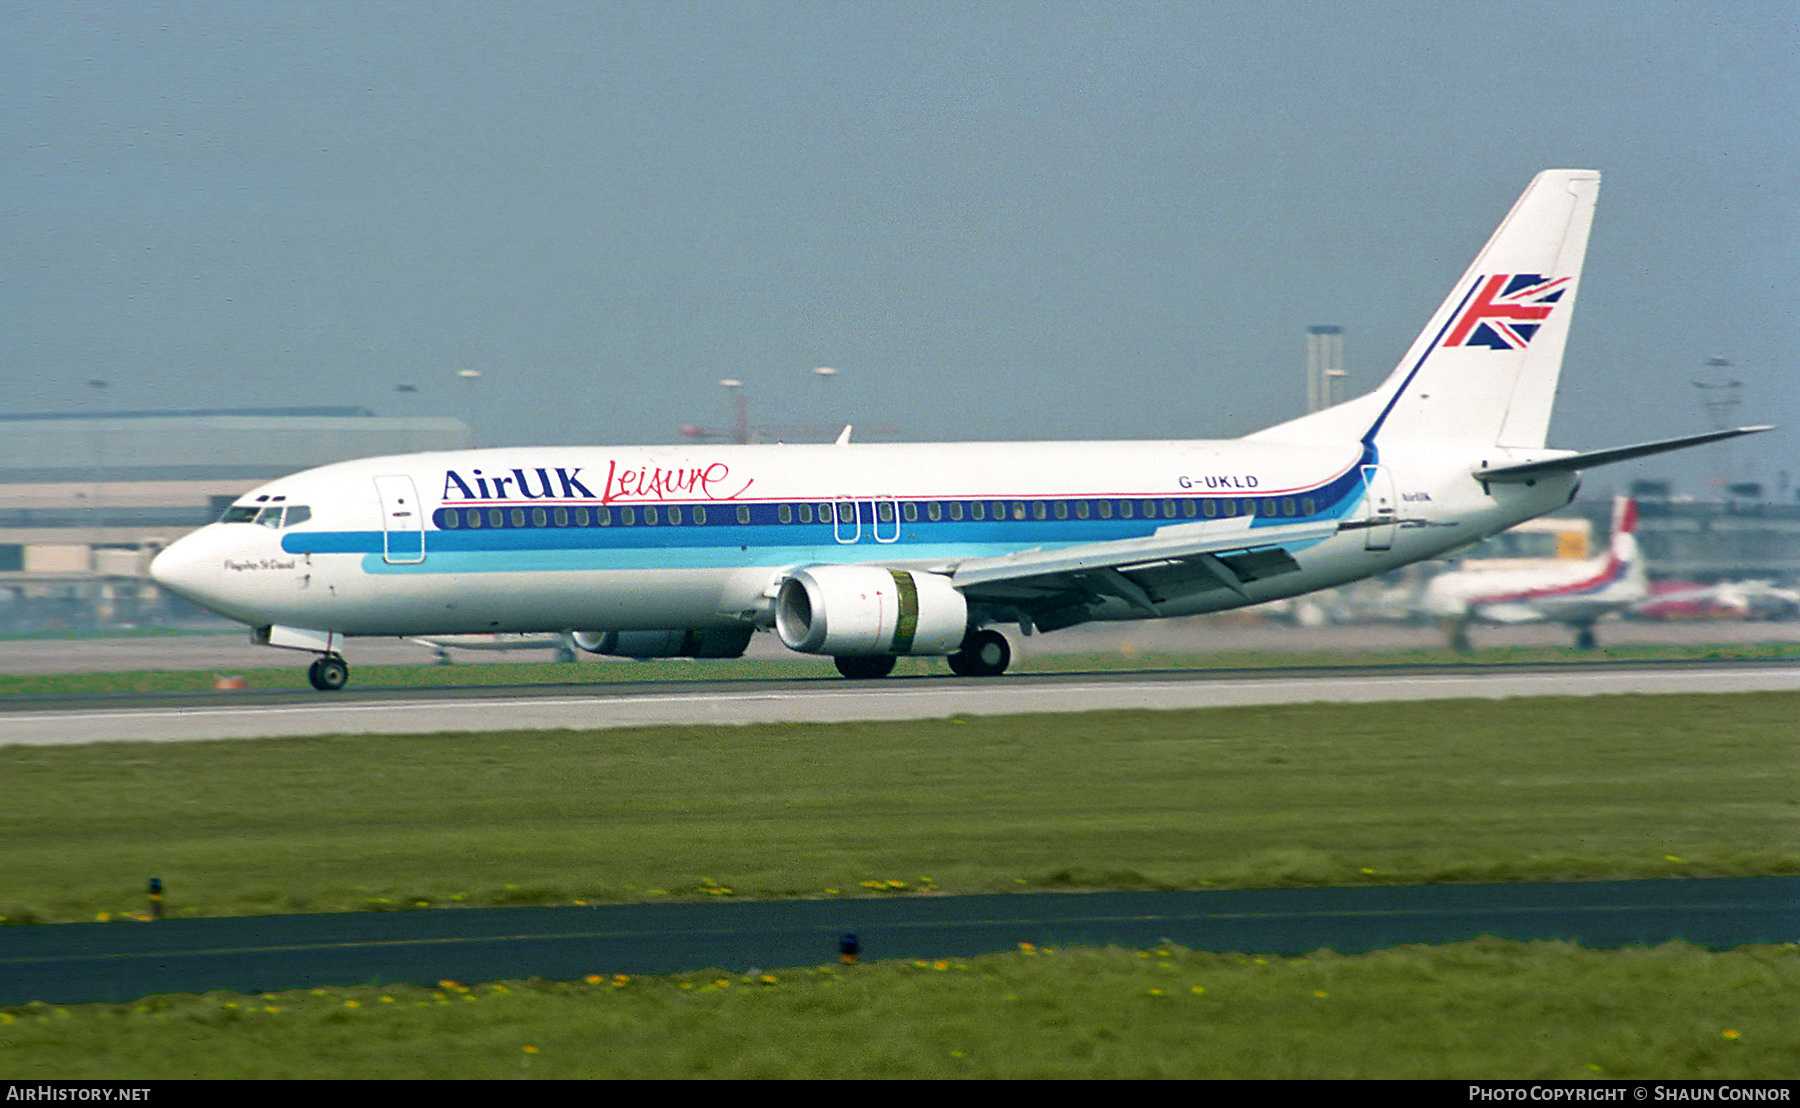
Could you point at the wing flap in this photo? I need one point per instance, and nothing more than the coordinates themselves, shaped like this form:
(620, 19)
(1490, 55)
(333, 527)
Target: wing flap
(1144, 572)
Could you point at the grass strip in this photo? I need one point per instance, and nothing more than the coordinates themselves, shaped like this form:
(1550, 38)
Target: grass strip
(1518, 790)
(1483, 1009)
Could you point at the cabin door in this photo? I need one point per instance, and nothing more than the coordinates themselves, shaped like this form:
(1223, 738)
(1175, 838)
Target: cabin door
(1380, 508)
(402, 521)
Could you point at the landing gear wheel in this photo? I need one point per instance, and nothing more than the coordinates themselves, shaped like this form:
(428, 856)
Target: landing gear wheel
(1585, 639)
(1458, 630)
(329, 673)
(983, 653)
(864, 667)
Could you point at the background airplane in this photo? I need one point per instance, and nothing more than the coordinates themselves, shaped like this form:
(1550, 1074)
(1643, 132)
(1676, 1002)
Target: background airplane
(1579, 593)
(1688, 600)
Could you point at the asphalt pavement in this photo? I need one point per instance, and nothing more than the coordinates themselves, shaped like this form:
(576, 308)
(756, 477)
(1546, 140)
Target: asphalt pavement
(120, 962)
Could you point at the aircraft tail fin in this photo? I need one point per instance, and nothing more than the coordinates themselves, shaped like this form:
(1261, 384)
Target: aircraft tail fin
(1484, 370)
(1623, 550)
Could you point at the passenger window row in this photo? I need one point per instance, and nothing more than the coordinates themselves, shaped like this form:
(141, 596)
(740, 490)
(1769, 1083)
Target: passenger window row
(849, 512)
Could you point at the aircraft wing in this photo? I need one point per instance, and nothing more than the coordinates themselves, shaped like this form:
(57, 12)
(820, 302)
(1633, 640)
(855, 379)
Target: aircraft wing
(1177, 561)
(1509, 612)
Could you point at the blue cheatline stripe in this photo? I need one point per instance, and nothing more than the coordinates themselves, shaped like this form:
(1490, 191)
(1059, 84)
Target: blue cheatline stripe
(710, 557)
(724, 542)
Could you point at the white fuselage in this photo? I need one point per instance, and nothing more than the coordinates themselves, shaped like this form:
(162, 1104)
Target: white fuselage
(646, 538)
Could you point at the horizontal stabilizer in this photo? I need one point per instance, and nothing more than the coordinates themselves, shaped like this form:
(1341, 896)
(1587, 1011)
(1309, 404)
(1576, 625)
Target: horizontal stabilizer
(1569, 463)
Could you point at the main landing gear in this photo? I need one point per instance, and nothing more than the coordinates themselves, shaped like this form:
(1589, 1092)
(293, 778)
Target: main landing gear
(329, 673)
(864, 667)
(984, 653)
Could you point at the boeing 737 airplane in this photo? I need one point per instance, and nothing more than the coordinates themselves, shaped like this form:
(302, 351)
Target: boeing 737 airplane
(1578, 593)
(869, 551)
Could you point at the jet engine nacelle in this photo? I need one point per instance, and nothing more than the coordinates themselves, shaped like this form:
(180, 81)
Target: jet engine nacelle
(858, 610)
(709, 643)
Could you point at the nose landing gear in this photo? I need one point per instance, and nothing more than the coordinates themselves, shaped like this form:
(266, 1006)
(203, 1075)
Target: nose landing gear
(329, 673)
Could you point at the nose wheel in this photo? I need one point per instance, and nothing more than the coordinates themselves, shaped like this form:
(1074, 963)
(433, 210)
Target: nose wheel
(329, 673)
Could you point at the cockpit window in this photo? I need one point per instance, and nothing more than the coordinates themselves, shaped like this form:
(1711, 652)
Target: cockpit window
(274, 516)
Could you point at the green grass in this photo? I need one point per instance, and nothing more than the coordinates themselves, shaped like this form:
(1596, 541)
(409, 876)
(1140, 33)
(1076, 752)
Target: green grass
(1529, 789)
(1482, 1009)
(588, 672)
(1313, 794)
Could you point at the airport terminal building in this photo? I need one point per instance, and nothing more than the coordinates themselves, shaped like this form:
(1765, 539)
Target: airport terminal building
(86, 500)
(1743, 536)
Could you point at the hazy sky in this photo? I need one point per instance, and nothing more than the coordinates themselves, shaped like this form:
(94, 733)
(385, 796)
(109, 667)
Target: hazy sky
(996, 220)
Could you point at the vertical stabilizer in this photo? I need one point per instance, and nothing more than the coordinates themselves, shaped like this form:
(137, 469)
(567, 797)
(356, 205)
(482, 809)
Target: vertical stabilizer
(1484, 370)
(1623, 554)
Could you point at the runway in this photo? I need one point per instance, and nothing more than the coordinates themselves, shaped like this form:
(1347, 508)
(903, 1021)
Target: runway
(120, 962)
(367, 710)
(227, 650)
(239, 715)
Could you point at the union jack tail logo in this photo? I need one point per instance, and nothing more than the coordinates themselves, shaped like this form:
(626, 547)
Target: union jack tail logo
(1507, 311)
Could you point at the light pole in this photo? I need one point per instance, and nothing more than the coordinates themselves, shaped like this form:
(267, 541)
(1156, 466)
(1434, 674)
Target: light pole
(1324, 365)
(1720, 399)
(97, 492)
(98, 606)
(471, 376)
(824, 375)
(740, 420)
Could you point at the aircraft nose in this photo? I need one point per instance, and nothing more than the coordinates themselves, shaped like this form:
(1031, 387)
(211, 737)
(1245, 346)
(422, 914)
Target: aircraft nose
(187, 570)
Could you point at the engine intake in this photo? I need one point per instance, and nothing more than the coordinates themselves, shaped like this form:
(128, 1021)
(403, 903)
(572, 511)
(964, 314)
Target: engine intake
(853, 610)
(708, 643)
